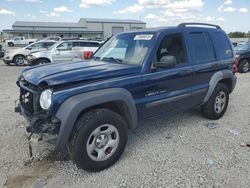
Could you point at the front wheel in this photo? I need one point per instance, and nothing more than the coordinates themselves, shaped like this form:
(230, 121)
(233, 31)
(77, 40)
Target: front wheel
(98, 140)
(217, 104)
(244, 66)
(19, 60)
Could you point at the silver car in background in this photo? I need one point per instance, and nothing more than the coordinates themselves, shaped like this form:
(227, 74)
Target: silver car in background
(64, 51)
(17, 56)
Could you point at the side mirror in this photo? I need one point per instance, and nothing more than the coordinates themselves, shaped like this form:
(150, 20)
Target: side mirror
(29, 48)
(166, 61)
(57, 52)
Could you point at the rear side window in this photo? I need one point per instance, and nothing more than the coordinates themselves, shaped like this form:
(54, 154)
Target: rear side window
(76, 44)
(94, 44)
(89, 44)
(202, 47)
(223, 46)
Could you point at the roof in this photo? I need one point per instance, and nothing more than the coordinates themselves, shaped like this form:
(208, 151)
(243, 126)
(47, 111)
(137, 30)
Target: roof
(112, 20)
(179, 27)
(72, 24)
(149, 30)
(46, 30)
(46, 24)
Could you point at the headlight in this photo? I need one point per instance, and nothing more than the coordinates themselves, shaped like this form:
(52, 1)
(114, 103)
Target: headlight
(45, 99)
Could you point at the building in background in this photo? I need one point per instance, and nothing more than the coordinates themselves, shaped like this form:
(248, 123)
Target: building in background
(90, 28)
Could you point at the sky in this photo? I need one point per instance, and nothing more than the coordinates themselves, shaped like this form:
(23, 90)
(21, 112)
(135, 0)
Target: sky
(232, 15)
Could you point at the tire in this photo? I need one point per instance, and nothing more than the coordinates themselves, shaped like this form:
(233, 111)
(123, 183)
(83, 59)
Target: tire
(11, 44)
(244, 66)
(94, 131)
(217, 104)
(42, 62)
(19, 60)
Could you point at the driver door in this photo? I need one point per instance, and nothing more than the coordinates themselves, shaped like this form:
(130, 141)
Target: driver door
(167, 90)
(18, 40)
(63, 53)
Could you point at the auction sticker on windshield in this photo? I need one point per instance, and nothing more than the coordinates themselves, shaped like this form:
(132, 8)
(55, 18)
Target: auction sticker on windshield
(143, 37)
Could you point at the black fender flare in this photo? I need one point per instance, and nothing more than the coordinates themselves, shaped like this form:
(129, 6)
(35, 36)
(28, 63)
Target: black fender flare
(71, 108)
(217, 77)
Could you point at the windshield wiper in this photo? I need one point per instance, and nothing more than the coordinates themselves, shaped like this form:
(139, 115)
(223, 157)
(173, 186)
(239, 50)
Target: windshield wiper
(116, 60)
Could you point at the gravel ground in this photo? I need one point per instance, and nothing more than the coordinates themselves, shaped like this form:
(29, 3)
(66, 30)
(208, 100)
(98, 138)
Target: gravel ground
(175, 151)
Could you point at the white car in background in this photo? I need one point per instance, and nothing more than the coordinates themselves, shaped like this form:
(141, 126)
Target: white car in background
(64, 51)
(18, 55)
(19, 41)
(53, 38)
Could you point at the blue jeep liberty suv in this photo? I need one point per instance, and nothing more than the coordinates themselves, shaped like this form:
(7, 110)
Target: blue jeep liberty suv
(133, 76)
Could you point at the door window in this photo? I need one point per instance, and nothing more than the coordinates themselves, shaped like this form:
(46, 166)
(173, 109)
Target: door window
(66, 46)
(76, 44)
(37, 45)
(89, 44)
(173, 45)
(202, 47)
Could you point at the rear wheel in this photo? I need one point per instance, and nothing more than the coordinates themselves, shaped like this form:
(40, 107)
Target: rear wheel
(217, 104)
(244, 66)
(11, 44)
(19, 60)
(98, 140)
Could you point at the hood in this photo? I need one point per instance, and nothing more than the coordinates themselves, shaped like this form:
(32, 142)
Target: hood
(23, 51)
(38, 50)
(17, 50)
(62, 73)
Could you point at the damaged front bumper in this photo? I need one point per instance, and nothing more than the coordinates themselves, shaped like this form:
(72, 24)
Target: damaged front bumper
(28, 106)
(39, 123)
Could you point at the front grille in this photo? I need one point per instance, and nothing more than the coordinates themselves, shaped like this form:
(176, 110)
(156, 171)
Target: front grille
(29, 96)
(27, 101)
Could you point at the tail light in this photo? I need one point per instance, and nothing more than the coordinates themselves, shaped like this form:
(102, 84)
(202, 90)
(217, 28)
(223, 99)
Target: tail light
(235, 66)
(87, 54)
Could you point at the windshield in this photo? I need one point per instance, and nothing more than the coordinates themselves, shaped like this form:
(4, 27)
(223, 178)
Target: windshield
(242, 47)
(125, 48)
(35, 45)
(52, 46)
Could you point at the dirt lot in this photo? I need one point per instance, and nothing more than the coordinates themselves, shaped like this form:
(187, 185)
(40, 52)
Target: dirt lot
(176, 151)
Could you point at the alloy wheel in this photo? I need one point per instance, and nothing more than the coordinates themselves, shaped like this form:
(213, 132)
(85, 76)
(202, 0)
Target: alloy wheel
(103, 142)
(220, 102)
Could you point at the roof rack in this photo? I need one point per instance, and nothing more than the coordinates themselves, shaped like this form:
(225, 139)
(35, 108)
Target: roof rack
(193, 23)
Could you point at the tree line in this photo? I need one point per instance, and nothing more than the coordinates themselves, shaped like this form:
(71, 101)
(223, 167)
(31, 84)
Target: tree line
(238, 34)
